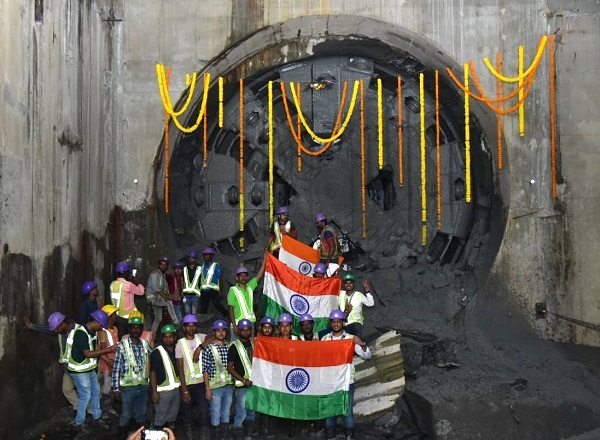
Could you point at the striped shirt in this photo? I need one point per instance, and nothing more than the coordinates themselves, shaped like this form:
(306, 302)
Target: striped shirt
(208, 362)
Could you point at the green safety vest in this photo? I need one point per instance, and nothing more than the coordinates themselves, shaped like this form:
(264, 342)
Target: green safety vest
(206, 283)
(193, 286)
(193, 370)
(171, 380)
(246, 310)
(88, 364)
(63, 357)
(222, 376)
(246, 361)
(136, 374)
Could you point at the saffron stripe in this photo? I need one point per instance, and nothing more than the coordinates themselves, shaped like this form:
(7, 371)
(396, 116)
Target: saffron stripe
(305, 354)
(298, 283)
(299, 249)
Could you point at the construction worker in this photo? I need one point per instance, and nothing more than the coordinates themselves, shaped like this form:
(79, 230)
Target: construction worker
(329, 248)
(164, 380)
(211, 284)
(90, 304)
(320, 270)
(130, 379)
(157, 291)
(352, 301)
(107, 337)
(240, 298)
(239, 365)
(267, 326)
(122, 291)
(191, 289)
(83, 360)
(285, 322)
(175, 283)
(217, 380)
(336, 323)
(193, 391)
(307, 323)
(280, 227)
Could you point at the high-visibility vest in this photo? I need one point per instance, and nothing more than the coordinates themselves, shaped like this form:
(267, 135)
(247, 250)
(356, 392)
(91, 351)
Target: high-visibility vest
(136, 374)
(355, 314)
(322, 249)
(193, 370)
(117, 298)
(171, 380)
(246, 307)
(277, 231)
(246, 361)
(63, 357)
(193, 286)
(207, 282)
(88, 364)
(222, 376)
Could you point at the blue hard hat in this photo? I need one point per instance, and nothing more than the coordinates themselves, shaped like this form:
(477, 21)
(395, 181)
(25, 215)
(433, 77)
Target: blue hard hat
(122, 267)
(219, 324)
(244, 323)
(321, 268)
(193, 253)
(285, 317)
(241, 270)
(337, 314)
(88, 286)
(101, 317)
(282, 210)
(267, 320)
(306, 317)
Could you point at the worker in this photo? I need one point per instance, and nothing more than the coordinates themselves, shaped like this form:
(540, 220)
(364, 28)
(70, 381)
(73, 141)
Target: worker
(352, 301)
(240, 298)
(191, 289)
(122, 292)
(336, 323)
(164, 380)
(130, 378)
(83, 359)
(239, 365)
(175, 283)
(267, 326)
(193, 391)
(211, 283)
(320, 270)
(90, 303)
(285, 322)
(157, 291)
(280, 227)
(108, 337)
(329, 248)
(307, 324)
(217, 380)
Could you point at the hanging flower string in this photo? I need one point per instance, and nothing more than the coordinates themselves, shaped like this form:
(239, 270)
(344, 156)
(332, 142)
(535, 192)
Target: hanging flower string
(438, 150)
(299, 129)
(310, 131)
(242, 220)
(400, 128)
(552, 68)
(423, 160)
(363, 170)
(271, 152)
(380, 122)
(530, 69)
(167, 78)
(498, 114)
(220, 102)
(521, 107)
(467, 137)
(205, 141)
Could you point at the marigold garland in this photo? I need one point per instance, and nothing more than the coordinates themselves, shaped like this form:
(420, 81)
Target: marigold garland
(167, 79)
(242, 220)
(309, 130)
(552, 68)
(530, 69)
(499, 115)
(271, 151)
(521, 107)
(400, 134)
(467, 138)
(299, 129)
(380, 122)
(163, 88)
(363, 169)
(423, 159)
(438, 150)
(205, 140)
(221, 102)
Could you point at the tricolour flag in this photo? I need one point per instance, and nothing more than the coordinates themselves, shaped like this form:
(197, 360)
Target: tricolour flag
(300, 380)
(298, 256)
(286, 290)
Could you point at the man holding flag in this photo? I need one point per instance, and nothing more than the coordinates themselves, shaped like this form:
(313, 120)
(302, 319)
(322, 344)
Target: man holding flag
(240, 298)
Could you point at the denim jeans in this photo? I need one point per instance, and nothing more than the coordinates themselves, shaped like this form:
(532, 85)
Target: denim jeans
(133, 401)
(177, 308)
(190, 304)
(241, 413)
(220, 405)
(330, 422)
(88, 389)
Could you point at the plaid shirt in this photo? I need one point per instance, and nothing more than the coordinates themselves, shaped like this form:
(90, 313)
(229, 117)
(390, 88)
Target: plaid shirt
(120, 364)
(208, 362)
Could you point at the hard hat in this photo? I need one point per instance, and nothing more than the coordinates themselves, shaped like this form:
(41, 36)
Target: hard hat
(122, 267)
(267, 320)
(54, 320)
(169, 328)
(306, 317)
(285, 317)
(193, 253)
(244, 323)
(101, 317)
(190, 319)
(282, 210)
(337, 314)
(320, 217)
(179, 265)
(321, 268)
(109, 309)
(219, 324)
(349, 277)
(163, 258)
(241, 270)
(88, 286)
(136, 320)
(208, 250)
(136, 314)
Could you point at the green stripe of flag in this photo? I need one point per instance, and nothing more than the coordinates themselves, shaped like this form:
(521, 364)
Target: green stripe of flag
(274, 309)
(296, 406)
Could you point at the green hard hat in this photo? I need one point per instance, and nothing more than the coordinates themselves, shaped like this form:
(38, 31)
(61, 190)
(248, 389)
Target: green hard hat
(169, 328)
(136, 320)
(349, 277)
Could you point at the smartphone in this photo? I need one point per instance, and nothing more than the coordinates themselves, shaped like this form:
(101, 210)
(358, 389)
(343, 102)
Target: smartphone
(133, 272)
(154, 434)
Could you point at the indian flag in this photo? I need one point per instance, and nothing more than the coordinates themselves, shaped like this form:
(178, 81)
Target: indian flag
(298, 256)
(286, 290)
(300, 380)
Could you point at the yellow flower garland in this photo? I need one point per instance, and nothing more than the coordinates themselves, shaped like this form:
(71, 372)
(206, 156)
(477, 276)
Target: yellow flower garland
(271, 152)
(220, 102)
(467, 137)
(363, 168)
(438, 151)
(423, 160)
(380, 123)
(521, 107)
(163, 88)
(536, 60)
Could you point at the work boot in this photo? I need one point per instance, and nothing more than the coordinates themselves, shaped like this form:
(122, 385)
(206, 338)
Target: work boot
(122, 433)
(349, 434)
(214, 433)
(224, 432)
(331, 434)
(204, 433)
(189, 431)
(237, 433)
(249, 428)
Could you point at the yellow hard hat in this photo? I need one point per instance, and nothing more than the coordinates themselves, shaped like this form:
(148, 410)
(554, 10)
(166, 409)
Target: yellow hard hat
(109, 309)
(136, 314)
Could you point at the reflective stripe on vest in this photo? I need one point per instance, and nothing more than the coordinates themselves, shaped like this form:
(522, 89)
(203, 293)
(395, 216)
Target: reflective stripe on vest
(222, 376)
(136, 374)
(277, 231)
(116, 291)
(206, 283)
(171, 381)
(111, 342)
(63, 357)
(193, 370)
(322, 249)
(246, 361)
(355, 314)
(193, 286)
(88, 364)
(245, 311)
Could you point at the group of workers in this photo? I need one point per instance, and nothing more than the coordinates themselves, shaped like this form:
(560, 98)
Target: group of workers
(197, 373)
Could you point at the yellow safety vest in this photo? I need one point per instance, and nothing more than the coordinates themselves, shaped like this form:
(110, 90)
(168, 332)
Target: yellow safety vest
(117, 296)
(87, 364)
(222, 376)
(206, 283)
(246, 361)
(355, 314)
(171, 380)
(193, 370)
(63, 357)
(193, 286)
(136, 374)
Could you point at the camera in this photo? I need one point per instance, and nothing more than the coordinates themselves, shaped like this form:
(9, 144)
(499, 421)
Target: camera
(134, 272)
(154, 434)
